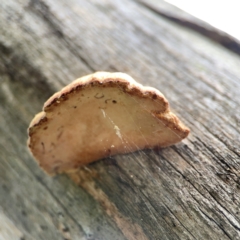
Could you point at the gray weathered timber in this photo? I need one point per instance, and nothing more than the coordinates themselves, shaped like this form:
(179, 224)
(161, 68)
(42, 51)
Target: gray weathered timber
(187, 191)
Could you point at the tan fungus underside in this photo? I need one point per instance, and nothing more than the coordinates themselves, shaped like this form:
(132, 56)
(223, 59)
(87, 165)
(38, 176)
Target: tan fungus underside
(96, 122)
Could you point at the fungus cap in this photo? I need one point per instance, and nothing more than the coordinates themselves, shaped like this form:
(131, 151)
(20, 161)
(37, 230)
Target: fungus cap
(101, 115)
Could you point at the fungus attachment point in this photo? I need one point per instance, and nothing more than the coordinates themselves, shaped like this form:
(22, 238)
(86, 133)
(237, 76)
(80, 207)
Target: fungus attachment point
(112, 114)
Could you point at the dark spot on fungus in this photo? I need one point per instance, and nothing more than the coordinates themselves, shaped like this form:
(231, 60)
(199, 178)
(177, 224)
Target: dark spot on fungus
(44, 119)
(114, 101)
(99, 95)
(60, 134)
(154, 96)
(64, 97)
(75, 106)
(43, 147)
(45, 128)
(106, 101)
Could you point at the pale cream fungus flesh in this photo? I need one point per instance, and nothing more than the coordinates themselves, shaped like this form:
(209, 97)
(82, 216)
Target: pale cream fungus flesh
(101, 115)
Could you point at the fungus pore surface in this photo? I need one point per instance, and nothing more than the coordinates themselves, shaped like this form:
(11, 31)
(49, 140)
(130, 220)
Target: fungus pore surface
(101, 115)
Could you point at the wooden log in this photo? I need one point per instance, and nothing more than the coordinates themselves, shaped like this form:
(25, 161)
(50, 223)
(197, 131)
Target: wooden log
(187, 191)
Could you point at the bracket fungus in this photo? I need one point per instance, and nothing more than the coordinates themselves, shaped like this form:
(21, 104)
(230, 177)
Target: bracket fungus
(101, 115)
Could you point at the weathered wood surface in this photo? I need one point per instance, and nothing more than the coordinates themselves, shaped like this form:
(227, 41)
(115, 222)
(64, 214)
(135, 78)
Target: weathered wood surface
(187, 191)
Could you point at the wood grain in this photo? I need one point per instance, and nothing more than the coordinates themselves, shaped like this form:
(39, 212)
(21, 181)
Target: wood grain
(187, 191)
